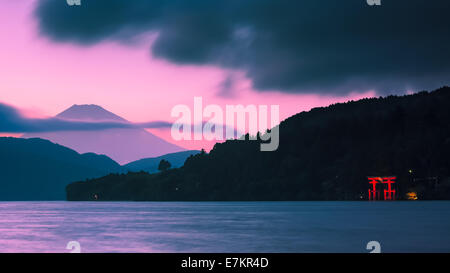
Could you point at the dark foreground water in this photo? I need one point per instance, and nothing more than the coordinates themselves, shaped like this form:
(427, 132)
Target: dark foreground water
(225, 227)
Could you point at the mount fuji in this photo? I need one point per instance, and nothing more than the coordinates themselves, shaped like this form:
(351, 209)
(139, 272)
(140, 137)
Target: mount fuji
(123, 145)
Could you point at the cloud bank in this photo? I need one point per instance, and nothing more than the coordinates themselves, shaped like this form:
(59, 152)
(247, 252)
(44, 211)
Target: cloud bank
(322, 46)
(11, 121)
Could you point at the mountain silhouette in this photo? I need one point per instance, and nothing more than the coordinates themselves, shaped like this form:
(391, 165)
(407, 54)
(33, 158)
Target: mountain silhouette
(123, 145)
(327, 153)
(150, 165)
(89, 112)
(36, 169)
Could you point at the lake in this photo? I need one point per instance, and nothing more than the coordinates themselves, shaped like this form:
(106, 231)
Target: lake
(225, 226)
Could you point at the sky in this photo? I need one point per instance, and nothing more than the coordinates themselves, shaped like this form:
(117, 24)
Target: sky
(139, 59)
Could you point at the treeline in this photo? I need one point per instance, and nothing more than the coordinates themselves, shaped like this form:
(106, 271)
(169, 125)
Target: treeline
(324, 154)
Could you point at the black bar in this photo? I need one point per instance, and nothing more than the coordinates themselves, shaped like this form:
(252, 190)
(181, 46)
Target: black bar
(276, 263)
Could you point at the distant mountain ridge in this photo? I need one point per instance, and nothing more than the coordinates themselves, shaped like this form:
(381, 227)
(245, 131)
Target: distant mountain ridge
(151, 164)
(123, 145)
(37, 169)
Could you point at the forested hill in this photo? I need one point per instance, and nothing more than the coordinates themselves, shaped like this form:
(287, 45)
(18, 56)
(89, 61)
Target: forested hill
(37, 169)
(324, 154)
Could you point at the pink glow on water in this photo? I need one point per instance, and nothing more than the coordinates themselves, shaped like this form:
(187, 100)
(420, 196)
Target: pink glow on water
(10, 135)
(224, 227)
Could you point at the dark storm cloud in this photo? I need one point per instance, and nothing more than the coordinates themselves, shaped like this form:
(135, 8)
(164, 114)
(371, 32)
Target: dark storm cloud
(324, 46)
(11, 121)
(227, 86)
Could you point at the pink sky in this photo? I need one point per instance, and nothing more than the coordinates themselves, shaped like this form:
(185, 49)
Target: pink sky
(43, 78)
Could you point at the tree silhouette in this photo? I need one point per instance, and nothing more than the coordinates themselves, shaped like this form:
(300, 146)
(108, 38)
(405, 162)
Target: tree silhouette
(164, 165)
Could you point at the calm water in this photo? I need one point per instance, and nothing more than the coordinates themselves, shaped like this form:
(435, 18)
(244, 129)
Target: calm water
(225, 227)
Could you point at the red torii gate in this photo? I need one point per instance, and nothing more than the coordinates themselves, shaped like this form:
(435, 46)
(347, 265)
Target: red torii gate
(374, 194)
(389, 193)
